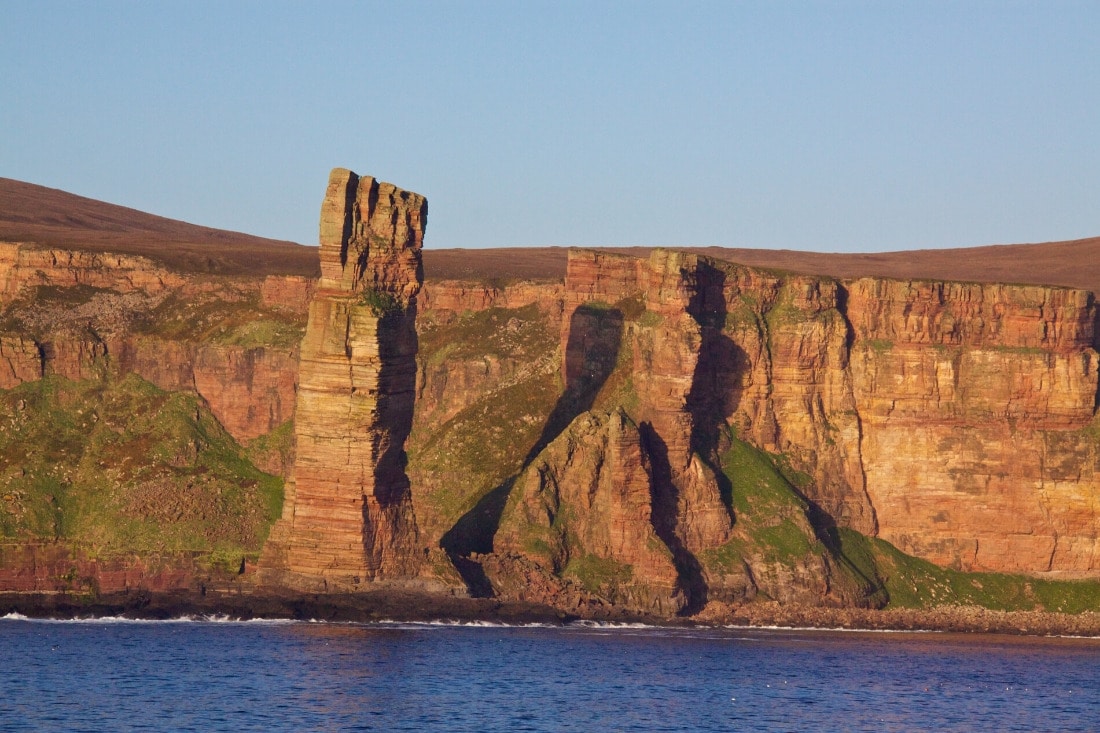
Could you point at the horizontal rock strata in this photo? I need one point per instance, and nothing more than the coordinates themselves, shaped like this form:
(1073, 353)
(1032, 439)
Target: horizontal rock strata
(348, 516)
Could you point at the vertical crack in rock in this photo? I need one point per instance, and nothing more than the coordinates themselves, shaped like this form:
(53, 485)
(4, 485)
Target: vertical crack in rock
(348, 517)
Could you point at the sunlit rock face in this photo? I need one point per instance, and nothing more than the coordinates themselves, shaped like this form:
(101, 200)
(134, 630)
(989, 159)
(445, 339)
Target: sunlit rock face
(978, 408)
(955, 420)
(348, 517)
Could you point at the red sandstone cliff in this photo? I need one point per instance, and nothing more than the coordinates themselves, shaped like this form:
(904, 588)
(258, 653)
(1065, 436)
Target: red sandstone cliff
(956, 421)
(978, 405)
(574, 439)
(251, 389)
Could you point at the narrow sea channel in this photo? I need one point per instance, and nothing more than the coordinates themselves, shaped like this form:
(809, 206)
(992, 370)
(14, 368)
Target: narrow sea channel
(209, 675)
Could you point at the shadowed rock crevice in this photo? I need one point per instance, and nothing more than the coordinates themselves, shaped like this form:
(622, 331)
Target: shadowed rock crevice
(473, 532)
(849, 342)
(665, 499)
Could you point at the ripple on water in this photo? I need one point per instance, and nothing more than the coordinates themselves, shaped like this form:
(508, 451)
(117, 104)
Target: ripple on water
(214, 674)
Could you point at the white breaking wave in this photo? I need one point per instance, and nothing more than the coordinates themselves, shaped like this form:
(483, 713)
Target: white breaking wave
(451, 624)
(185, 619)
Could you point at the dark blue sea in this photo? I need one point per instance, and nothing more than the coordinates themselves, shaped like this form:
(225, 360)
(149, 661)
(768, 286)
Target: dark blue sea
(209, 675)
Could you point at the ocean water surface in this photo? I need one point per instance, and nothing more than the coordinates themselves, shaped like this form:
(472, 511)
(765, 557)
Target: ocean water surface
(210, 675)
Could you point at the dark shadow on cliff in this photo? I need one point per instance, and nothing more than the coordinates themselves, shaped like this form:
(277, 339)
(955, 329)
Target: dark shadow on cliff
(665, 502)
(591, 352)
(716, 381)
(397, 342)
(828, 532)
(474, 530)
(713, 397)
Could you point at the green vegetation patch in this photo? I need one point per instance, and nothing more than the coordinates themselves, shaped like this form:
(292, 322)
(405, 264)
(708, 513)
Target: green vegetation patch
(743, 315)
(774, 527)
(1021, 350)
(599, 575)
(380, 302)
(784, 312)
(911, 582)
(212, 318)
(461, 466)
(273, 452)
(123, 466)
(771, 521)
(484, 444)
(265, 333)
(618, 389)
(761, 484)
(501, 332)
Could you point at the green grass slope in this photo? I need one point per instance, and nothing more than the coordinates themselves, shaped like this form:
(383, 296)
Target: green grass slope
(120, 466)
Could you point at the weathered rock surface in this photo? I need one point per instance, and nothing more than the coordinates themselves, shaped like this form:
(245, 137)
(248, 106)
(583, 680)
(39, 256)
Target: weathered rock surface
(583, 511)
(20, 361)
(250, 389)
(51, 568)
(978, 409)
(654, 315)
(348, 516)
(287, 292)
(24, 266)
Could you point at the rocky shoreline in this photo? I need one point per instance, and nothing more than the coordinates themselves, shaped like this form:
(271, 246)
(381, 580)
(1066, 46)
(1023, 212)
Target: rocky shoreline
(411, 606)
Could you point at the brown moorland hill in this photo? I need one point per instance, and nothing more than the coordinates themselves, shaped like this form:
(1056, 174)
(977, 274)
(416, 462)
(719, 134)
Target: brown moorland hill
(54, 218)
(1073, 264)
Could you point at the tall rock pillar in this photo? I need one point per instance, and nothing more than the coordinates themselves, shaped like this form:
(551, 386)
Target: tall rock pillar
(348, 516)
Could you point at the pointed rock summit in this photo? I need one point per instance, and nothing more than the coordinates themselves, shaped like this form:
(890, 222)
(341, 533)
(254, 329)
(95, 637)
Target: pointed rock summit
(348, 516)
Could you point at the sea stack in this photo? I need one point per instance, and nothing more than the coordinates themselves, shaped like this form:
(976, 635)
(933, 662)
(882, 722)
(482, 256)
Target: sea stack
(348, 515)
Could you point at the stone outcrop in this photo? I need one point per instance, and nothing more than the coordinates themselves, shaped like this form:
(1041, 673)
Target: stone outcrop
(287, 292)
(24, 266)
(20, 361)
(583, 511)
(447, 299)
(251, 389)
(348, 516)
(635, 327)
(56, 569)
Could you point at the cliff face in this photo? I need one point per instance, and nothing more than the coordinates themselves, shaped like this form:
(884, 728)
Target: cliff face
(978, 405)
(24, 266)
(348, 517)
(954, 420)
(82, 315)
(653, 435)
(582, 511)
(723, 421)
(647, 339)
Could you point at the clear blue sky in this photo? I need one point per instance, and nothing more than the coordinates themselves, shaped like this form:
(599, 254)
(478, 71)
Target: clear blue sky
(849, 126)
